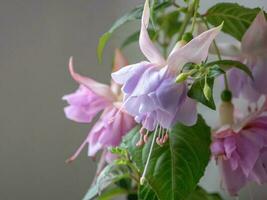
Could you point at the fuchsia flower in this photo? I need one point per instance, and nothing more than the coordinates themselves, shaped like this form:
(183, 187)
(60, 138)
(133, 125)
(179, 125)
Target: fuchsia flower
(150, 92)
(241, 151)
(253, 53)
(90, 99)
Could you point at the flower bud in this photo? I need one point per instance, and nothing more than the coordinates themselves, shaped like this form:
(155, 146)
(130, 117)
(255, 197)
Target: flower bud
(207, 91)
(181, 77)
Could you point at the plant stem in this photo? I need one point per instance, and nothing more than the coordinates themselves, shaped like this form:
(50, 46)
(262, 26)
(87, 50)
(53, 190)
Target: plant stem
(187, 18)
(196, 5)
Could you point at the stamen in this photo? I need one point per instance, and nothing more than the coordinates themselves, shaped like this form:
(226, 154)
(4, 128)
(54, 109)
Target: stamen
(165, 137)
(142, 131)
(78, 151)
(142, 179)
(146, 136)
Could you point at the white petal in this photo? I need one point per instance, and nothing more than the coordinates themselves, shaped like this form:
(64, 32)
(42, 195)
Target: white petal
(145, 43)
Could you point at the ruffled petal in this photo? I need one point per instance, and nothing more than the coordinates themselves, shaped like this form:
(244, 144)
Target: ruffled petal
(98, 88)
(146, 45)
(84, 105)
(187, 112)
(194, 51)
(124, 74)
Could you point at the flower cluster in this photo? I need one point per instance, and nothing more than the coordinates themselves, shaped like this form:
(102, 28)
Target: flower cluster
(240, 146)
(164, 90)
(90, 99)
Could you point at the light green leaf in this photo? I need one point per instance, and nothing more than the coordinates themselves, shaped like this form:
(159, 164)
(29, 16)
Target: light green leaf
(112, 173)
(228, 64)
(110, 193)
(236, 18)
(197, 92)
(175, 168)
(132, 15)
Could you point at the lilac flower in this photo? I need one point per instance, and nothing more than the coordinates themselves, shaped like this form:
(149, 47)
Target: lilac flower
(253, 53)
(241, 151)
(150, 92)
(90, 99)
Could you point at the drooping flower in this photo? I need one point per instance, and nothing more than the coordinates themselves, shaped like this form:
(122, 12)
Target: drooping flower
(241, 151)
(90, 99)
(253, 53)
(150, 92)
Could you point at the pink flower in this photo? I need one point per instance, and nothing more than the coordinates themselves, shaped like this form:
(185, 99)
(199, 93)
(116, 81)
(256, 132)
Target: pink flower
(90, 99)
(241, 151)
(151, 94)
(253, 53)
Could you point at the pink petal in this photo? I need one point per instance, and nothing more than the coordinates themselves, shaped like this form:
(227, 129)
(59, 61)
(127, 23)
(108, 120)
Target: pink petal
(255, 39)
(194, 51)
(119, 60)
(98, 88)
(146, 45)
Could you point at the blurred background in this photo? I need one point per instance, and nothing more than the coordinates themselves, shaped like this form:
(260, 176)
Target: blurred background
(37, 37)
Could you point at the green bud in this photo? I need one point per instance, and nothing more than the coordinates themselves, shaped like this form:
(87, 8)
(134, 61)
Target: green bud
(207, 91)
(181, 77)
(226, 96)
(187, 37)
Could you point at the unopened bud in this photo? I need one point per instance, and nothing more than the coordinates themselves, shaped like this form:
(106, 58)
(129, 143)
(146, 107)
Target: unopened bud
(181, 77)
(207, 91)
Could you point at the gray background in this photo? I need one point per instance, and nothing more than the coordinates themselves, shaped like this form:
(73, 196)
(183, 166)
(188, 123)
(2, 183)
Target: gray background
(36, 39)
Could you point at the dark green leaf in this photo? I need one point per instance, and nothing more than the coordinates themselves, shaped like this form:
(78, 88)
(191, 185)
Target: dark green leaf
(196, 92)
(227, 64)
(146, 193)
(201, 194)
(236, 18)
(175, 168)
(132, 15)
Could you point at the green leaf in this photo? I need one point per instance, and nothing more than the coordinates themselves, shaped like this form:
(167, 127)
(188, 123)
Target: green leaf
(175, 168)
(112, 173)
(228, 64)
(197, 92)
(110, 193)
(215, 71)
(146, 193)
(132, 15)
(236, 18)
(201, 194)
